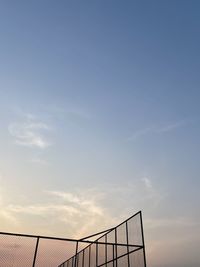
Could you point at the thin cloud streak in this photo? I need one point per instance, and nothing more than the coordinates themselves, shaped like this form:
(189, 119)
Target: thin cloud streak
(157, 130)
(172, 126)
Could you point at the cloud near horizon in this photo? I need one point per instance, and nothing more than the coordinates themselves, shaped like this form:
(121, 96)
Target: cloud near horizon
(80, 212)
(77, 214)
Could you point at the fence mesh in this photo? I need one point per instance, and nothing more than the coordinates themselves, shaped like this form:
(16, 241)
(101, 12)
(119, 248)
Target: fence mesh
(121, 246)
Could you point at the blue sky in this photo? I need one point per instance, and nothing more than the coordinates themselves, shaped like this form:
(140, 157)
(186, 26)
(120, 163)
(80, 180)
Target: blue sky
(99, 111)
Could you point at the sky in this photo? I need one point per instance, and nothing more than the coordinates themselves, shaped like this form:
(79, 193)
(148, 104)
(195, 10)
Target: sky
(99, 112)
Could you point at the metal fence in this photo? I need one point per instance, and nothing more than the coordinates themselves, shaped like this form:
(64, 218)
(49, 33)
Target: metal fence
(120, 246)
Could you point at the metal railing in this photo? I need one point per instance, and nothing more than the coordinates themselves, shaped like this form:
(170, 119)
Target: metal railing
(120, 246)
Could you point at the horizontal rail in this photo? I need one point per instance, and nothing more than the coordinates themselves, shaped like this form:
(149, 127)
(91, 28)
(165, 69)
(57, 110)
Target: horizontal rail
(67, 239)
(121, 256)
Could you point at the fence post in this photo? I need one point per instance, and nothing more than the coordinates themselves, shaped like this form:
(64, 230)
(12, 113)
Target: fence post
(36, 249)
(127, 240)
(142, 232)
(116, 262)
(75, 261)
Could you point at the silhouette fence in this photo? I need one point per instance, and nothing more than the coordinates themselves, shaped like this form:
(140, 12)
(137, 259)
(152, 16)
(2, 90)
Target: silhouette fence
(120, 246)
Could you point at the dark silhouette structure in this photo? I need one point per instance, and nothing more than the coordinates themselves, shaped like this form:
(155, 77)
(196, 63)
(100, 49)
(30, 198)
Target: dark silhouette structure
(120, 246)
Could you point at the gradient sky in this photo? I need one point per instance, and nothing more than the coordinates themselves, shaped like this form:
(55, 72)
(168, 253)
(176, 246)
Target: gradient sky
(99, 112)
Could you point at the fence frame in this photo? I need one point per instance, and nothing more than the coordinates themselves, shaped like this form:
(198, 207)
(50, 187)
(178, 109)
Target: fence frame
(104, 233)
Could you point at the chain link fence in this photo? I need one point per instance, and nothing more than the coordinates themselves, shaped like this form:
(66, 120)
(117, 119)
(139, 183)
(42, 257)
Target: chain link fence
(120, 246)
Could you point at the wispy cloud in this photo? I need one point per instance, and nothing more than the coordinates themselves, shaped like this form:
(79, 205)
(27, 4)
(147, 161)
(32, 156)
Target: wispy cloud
(172, 126)
(30, 132)
(157, 129)
(87, 211)
(82, 211)
(80, 201)
(41, 210)
(147, 182)
(77, 212)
